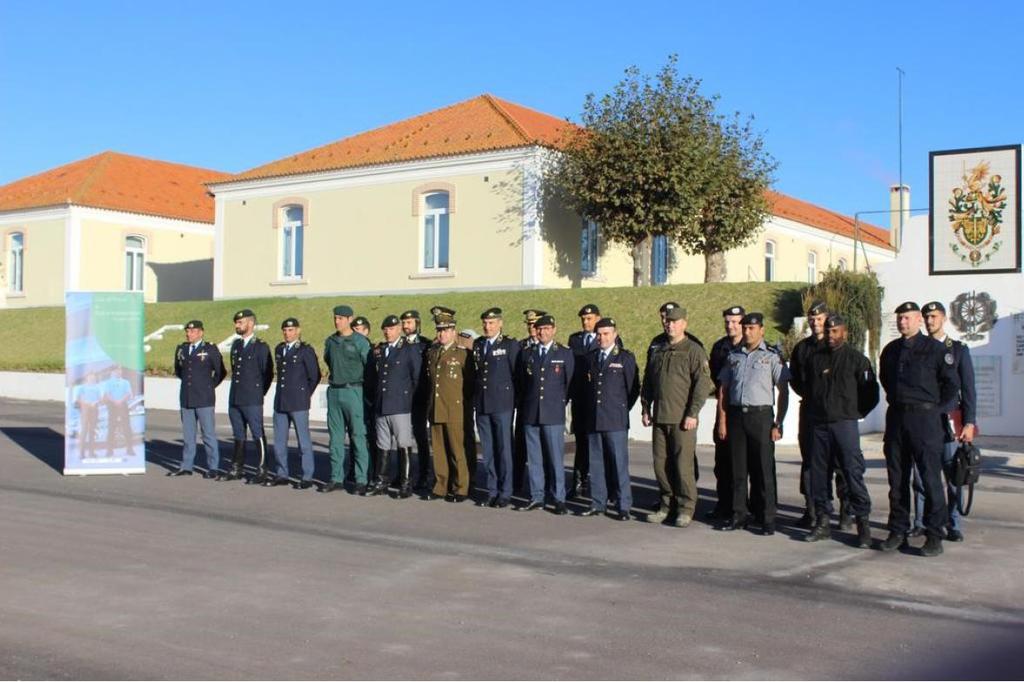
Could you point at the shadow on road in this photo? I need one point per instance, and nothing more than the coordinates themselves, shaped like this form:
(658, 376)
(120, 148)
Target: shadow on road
(41, 442)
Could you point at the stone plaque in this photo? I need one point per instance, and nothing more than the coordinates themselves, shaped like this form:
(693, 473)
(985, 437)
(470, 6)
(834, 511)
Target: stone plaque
(1018, 343)
(987, 382)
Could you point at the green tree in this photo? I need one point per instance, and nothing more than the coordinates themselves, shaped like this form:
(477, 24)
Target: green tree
(655, 158)
(857, 296)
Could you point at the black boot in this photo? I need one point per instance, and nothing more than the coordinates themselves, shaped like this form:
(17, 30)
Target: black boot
(863, 532)
(932, 546)
(404, 457)
(894, 541)
(262, 473)
(845, 519)
(577, 486)
(810, 518)
(423, 475)
(821, 530)
(237, 461)
(380, 465)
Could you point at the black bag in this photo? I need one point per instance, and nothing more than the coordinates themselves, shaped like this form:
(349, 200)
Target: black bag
(965, 471)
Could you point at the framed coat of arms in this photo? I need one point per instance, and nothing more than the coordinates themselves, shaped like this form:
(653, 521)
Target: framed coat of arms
(974, 219)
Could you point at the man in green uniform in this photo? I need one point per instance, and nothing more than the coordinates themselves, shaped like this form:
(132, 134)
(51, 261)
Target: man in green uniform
(676, 384)
(345, 354)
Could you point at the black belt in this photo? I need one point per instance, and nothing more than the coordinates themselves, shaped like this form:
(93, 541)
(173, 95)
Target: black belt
(915, 407)
(751, 408)
(354, 383)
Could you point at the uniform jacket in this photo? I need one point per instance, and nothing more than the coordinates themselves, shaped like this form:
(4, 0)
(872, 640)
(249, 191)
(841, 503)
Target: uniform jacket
(200, 373)
(494, 389)
(720, 350)
(611, 389)
(346, 358)
(546, 384)
(968, 399)
(921, 371)
(450, 373)
(677, 382)
(578, 390)
(394, 377)
(839, 384)
(421, 399)
(753, 376)
(298, 374)
(252, 372)
(800, 363)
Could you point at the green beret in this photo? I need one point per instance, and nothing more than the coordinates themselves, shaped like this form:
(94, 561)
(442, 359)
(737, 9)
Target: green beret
(343, 311)
(605, 322)
(676, 313)
(390, 321)
(589, 309)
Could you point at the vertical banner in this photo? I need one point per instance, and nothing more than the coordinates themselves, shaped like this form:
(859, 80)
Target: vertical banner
(105, 415)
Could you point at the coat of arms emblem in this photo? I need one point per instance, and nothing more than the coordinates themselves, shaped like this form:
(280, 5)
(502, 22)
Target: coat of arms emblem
(976, 214)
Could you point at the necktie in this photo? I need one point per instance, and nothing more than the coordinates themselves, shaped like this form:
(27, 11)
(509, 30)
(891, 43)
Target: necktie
(192, 349)
(589, 340)
(387, 350)
(604, 358)
(543, 352)
(487, 347)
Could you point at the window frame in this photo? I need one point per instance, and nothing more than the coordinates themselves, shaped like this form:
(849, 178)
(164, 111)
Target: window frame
(16, 267)
(770, 255)
(291, 242)
(659, 271)
(590, 248)
(812, 267)
(439, 217)
(135, 263)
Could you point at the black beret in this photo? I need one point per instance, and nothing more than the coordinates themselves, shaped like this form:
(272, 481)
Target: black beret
(665, 307)
(589, 309)
(390, 321)
(933, 306)
(343, 311)
(605, 322)
(290, 322)
(491, 314)
(194, 324)
(734, 310)
(545, 321)
(835, 320)
(410, 315)
(817, 308)
(907, 307)
(753, 318)
(244, 313)
(357, 321)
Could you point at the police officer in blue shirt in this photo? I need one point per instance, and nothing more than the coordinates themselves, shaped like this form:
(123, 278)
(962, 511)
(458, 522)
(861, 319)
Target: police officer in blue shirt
(611, 389)
(117, 394)
(298, 374)
(919, 377)
(252, 372)
(545, 373)
(200, 367)
(494, 397)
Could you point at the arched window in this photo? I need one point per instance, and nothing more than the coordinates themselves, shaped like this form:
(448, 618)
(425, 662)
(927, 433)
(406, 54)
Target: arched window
(434, 230)
(588, 248)
(16, 263)
(134, 262)
(291, 245)
(843, 267)
(812, 267)
(769, 261)
(659, 259)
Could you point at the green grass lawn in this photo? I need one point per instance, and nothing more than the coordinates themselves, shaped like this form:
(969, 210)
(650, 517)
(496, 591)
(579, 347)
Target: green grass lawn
(33, 339)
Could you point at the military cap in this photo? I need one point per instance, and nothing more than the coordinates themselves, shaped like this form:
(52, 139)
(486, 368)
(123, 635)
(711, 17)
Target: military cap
(835, 320)
(468, 334)
(194, 324)
(676, 313)
(531, 315)
(390, 321)
(605, 322)
(290, 322)
(491, 314)
(444, 318)
(357, 321)
(410, 315)
(244, 313)
(933, 306)
(907, 307)
(734, 310)
(545, 321)
(589, 309)
(343, 311)
(667, 306)
(817, 308)
(753, 318)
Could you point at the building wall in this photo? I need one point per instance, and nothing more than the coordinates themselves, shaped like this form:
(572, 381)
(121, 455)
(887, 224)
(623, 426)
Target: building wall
(43, 259)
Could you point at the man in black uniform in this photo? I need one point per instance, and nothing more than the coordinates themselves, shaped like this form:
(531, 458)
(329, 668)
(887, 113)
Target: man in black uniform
(252, 371)
(199, 365)
(581, 343)
(494, 397)
(840, 389)
(731, 318)
(298, 374)
(421, 432)
(530, 316)
(919, 377)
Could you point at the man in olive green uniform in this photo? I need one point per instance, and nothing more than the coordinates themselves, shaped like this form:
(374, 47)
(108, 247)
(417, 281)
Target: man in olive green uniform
(676, 384)
(345, 354)
(450, 375)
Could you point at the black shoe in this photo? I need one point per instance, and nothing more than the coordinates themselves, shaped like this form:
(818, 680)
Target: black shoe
(459, 499)
(228, 476)
(808, 520)
(210, 474)
(276, 481)
(328, 487)
(501, 503)
(954, 535)
(449, 497)
(894, 541)
(432, 496)
(491, 502)
(863, 533)
(932, 546)
(180, 472)
(576, 489)
(716, 514)
(360, 489)
(736, 523)
(768, 528)
(258, 479)
(592, 511)
(820, 532)
(531, 506)
(560, 509)
(404, 491)
(621, 516)
(377, 488)
(916, 532)
(304, 484)
(845, 520)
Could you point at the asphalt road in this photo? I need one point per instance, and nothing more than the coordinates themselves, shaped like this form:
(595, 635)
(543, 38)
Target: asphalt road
(153, 577)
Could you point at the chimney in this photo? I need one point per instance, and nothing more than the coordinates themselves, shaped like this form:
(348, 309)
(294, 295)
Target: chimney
(895, 237)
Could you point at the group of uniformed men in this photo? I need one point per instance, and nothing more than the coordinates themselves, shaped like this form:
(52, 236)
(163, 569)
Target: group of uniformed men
(410, 391)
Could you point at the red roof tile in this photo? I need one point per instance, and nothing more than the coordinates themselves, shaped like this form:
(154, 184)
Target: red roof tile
(121, 183)
(809, 214)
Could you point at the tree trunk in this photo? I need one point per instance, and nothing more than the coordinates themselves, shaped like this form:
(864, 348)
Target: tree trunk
(642, 262)
(714, 266)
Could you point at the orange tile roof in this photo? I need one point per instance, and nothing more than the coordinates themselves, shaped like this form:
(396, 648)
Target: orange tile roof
(121, 183)
(481, 124)
(809, 214)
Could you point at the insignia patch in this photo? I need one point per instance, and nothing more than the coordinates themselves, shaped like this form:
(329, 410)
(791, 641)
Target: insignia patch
(615, 364)
(949, 358)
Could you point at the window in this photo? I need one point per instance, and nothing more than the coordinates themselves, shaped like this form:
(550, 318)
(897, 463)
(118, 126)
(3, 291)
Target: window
(769, 261)
(291, 242)
(435, 232)
(812, 267)
(134, 262)
(16, 263)
(588, 249)
(659, 259)
(842, 265)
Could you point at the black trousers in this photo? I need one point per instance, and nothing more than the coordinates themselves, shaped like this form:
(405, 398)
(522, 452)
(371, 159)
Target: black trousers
(752, 451)
(915, 437)
(837, 444)
(581, 459)
(723, 474)
(805, 438)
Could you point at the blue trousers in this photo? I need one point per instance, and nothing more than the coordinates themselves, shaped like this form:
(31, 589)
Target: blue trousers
(203, 416)
(613, 447)
(282, 423)
(545, 444)
(838, 443)
(496, 442)
(952, 498)
(242, 416)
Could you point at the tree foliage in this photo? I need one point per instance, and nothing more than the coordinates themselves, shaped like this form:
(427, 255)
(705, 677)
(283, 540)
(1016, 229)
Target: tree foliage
(857, 296)
(654, 157)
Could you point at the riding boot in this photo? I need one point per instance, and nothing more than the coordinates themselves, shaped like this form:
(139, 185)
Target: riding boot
(238, 459)
(262, 472)
(404, 490)
(423, 475)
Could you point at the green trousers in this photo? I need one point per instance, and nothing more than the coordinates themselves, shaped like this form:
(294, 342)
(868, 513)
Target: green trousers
(345, 415)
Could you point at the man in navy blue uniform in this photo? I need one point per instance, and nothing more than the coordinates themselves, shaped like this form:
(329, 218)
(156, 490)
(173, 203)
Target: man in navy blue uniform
(919, 377)
(420, 429)
(581, 343)
(394, 373)
(530, 316)
(732, 321)
(298, 374)
(494, 398)
(611, 389)
(545, 373)
(960, 420)
(252, 372)
(200, 367)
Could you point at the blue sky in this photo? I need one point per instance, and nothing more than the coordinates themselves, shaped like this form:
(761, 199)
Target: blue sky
(232, 85)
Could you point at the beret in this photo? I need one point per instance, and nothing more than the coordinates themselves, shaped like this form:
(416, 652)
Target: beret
(389, 321)
(290, 322)
(665, 307)
(589, 309)
(605, 322)
(360, 321)
(734, 310)
(676, 313)
(933, 306)
(753, 318)
(410, 315)
(243, 313)
(491, 314)
(343, 310)
(545, 321)
(835, 320)
(907, 307)
(817, 308)
(194, 324)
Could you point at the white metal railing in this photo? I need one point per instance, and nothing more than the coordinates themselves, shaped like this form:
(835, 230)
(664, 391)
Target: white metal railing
(158, 335)
(225, 345)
